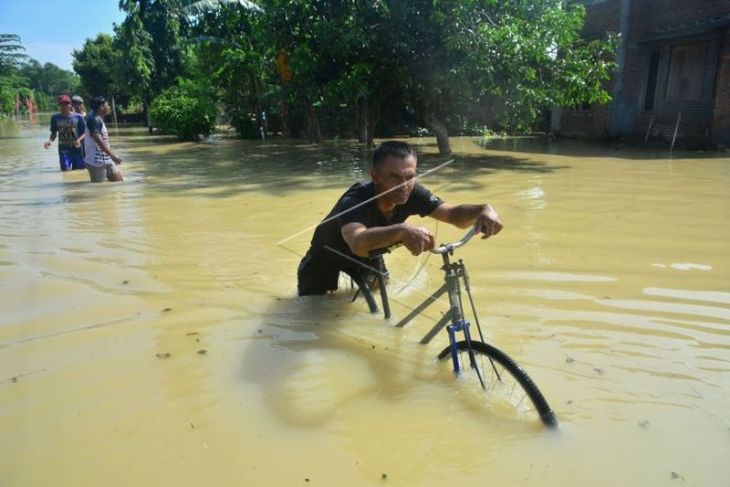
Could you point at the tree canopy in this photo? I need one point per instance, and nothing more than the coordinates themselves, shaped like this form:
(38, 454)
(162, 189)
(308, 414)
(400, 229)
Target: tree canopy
(25, 83)
(345, 67)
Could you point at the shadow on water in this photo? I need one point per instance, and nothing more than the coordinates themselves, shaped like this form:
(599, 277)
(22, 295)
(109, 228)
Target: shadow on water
(230, 167)
(314, 356)
(576, 148)
(298, 356)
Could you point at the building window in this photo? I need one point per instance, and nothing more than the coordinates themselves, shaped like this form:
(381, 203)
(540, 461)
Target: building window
(687, 70)
(651, 83)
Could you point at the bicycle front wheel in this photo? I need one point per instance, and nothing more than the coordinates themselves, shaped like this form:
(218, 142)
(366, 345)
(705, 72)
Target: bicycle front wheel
(505, 382)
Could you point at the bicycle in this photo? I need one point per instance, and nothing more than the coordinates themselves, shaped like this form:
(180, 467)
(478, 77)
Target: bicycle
(484, 360)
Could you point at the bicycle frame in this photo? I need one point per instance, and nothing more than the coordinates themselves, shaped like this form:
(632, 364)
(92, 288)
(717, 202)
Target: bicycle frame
(453, 319)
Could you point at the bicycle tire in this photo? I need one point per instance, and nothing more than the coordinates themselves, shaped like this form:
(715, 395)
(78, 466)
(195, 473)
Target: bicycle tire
(542, 408)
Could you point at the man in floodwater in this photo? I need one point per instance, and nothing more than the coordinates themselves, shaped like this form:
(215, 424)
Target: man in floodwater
(71, 131)
(372, 215)
(101, 162)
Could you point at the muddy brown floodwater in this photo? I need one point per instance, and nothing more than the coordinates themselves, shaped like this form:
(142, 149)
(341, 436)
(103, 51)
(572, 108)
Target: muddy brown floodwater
(150, 333)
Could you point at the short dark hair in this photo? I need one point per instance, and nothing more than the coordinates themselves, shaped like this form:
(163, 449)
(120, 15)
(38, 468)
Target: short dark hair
(96, 102)
(392, 148)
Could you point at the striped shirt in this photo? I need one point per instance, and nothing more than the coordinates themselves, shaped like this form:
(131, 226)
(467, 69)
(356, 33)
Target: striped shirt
(94, 155)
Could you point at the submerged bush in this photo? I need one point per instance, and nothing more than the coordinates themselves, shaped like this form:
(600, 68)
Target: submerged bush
(187, 110)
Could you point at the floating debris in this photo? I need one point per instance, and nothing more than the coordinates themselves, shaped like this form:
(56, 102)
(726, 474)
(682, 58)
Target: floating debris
(166, 310)
(162, 355)
(125, 282)
(202, 351)
(599, 370)
(644, 424)
(192, 333)
(384, 476)
(676, 476)
(569, 360)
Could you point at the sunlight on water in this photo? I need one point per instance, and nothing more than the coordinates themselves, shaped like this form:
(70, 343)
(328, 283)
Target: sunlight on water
(150, 333)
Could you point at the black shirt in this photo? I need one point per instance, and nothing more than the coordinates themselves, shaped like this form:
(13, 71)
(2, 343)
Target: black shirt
(328, 235)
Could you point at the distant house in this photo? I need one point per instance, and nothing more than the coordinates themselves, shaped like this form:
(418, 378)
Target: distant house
(673, 73)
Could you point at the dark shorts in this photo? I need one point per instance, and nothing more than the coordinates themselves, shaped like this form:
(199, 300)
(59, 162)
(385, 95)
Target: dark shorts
(71, 159)
(316, 276)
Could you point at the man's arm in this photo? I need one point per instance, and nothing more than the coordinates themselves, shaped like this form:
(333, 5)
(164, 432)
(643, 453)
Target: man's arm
(80, 129)
(54, 130)
(362, 239)
(462, 216)
(105, 148)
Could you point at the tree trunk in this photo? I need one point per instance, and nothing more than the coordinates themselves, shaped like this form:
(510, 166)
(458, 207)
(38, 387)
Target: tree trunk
(146, 110)
(442, 134)
(373, 117)
(363, 135)
(315, 135)
(285, 127)
(114, 110)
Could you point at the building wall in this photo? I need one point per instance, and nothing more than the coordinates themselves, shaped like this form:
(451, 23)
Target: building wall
(659, 26)
(721, 118)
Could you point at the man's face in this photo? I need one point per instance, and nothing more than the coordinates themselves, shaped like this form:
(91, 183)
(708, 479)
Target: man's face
(103, 108)
(393, 172)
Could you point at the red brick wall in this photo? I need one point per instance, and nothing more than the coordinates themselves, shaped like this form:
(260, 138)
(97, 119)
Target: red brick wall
(679, 13)
(650, 18)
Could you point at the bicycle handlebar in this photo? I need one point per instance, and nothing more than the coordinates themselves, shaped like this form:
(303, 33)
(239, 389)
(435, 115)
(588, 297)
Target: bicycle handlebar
(437, 250)
(455, 245)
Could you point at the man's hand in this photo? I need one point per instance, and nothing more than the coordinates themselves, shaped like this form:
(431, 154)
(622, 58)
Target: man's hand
(488, 222)
(47, 144)
(77, 143)
(417, 239)
(117, 160)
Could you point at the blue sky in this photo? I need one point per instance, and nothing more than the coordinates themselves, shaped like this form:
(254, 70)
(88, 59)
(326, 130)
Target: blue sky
(51, 29)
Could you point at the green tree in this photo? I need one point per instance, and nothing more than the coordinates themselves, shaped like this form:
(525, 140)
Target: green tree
(527, 54)
(97, 64)
(451, 63)
(11, 57)
(232, 50)
(49, 79)
(186, 109)
(12, 54)
(152, 37)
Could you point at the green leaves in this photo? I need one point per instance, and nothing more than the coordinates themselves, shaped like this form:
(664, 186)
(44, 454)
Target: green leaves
(12, 54)
(530, 54)
(202, 6)
(186, 109)
(98, 64)
(478, 62)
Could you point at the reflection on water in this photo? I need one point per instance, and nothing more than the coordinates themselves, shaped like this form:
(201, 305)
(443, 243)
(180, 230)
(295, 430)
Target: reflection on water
(153, 323)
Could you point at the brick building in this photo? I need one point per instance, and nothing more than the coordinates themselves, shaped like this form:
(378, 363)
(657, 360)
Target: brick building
(673, 73)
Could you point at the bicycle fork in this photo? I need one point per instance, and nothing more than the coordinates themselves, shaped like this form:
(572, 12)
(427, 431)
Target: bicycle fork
(462, 326)
(459, 323)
